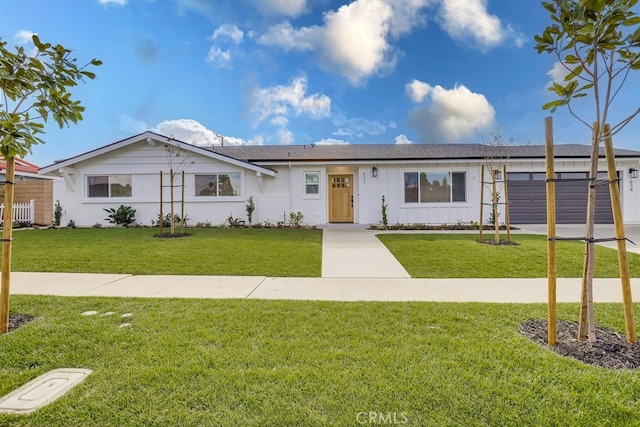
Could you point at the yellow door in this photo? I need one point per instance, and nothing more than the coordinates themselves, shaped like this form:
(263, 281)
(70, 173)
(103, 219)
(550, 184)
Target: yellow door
(341, 198)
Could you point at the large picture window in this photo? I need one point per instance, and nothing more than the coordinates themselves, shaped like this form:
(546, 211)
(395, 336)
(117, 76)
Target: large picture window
(218, 185)
(109, 186)
(435, 187)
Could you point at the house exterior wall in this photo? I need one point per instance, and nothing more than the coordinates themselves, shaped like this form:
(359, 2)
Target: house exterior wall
(144, 163)
(277, 197)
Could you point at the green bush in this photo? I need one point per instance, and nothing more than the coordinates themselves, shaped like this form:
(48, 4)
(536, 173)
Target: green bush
(123, 216)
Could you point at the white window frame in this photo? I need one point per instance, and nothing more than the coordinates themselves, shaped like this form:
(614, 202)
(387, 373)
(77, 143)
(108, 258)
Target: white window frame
(306, 184)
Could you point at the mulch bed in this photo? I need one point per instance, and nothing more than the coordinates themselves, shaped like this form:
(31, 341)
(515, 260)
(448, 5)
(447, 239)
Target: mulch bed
(17, 320)
(172, 236)
(611, 349)
(502, 242)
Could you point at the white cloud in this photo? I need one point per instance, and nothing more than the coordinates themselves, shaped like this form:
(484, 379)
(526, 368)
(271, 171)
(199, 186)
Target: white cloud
(469, 20)
(203, 7)
(417, 90)
(24, 36)
(355, 40)
(452, 115)
(116, 2)
(402, 139)
(187, 130)
(292, 99)
(228, 31)
(288, 38)
(285, 136)
(278, 102)
(558, 73)
(358, 126)
(193, 132)
(291, 8)
(331, 141)
(218, 57)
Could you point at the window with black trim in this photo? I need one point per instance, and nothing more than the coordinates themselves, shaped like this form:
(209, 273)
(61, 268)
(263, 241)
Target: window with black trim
(218, 185)
(109, 186)
(435, 187)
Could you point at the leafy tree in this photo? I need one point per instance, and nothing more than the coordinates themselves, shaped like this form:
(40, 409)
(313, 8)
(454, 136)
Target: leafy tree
(598, 44)
(33, 88)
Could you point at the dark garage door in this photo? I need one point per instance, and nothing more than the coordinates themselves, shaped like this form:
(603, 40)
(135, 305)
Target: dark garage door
(528, 199)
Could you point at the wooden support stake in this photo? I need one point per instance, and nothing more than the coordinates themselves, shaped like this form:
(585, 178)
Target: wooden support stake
(506, 202)
(172, 226)
(552, 311)
(6, 244)
(481, 201)
(623, 261)
(496, 222)
(161, 218)
(182, 206)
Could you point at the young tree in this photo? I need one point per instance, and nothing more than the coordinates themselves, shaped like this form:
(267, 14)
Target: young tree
(33, 87)
(598, 44)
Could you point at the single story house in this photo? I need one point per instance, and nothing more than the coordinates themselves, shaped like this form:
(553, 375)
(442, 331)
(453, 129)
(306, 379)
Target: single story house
(428, 184)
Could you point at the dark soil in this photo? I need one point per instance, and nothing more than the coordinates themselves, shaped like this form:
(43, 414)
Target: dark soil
(17, 320)
(172, 236)
(611, 349)
(502, 242)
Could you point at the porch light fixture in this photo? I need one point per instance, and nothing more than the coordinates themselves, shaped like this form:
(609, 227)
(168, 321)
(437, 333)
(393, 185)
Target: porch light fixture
(374, 171)
(498, 174)
(633, 173)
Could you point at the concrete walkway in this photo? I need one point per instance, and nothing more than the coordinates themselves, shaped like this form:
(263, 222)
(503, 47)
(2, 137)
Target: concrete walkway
(353, 251)
(356, 267)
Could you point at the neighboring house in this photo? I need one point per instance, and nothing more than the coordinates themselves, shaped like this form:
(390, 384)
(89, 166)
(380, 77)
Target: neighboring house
(430, 184)
(30, 186)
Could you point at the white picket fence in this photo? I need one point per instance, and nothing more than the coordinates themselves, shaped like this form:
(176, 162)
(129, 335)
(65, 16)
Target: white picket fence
(22, 212)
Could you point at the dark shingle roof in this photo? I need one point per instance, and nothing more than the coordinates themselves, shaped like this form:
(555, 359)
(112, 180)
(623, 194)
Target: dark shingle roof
(274, 153)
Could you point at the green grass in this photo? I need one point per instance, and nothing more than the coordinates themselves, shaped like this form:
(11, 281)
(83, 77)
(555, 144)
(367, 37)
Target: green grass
(461, 256)
(295, 363)
(208, 251)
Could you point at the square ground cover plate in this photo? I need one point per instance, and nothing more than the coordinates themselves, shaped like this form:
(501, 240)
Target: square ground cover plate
(42, 390)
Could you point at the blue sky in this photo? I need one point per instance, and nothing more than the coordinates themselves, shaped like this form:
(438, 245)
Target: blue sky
(303, 71)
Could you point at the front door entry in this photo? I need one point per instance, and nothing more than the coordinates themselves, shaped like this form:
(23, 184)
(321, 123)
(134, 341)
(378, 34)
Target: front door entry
(341, 198)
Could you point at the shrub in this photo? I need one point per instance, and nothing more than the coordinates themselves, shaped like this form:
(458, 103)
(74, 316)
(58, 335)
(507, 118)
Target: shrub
(295, 219)
(166, 221)
(250, 208)
(235, 222)
(385, 221)
(57, 213)
(123, 216)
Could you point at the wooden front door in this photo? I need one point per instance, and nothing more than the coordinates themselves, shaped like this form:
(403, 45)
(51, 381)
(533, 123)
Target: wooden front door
(341, 198)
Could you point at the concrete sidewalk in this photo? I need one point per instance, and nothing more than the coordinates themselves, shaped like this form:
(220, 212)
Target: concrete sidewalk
(356, 266)
(327, 289)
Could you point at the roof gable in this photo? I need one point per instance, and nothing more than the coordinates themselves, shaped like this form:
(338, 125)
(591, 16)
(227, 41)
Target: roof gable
(154, 139)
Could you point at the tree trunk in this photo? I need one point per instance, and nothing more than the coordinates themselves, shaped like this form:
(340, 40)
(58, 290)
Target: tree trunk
(6, 244)
(587, 327)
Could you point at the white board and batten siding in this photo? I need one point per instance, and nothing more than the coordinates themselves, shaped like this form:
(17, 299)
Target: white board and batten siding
(144, 163)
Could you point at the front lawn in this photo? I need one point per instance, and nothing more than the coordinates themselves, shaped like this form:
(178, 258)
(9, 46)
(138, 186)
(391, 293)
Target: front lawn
(208, 251)
(461, 256)
(296, 363)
